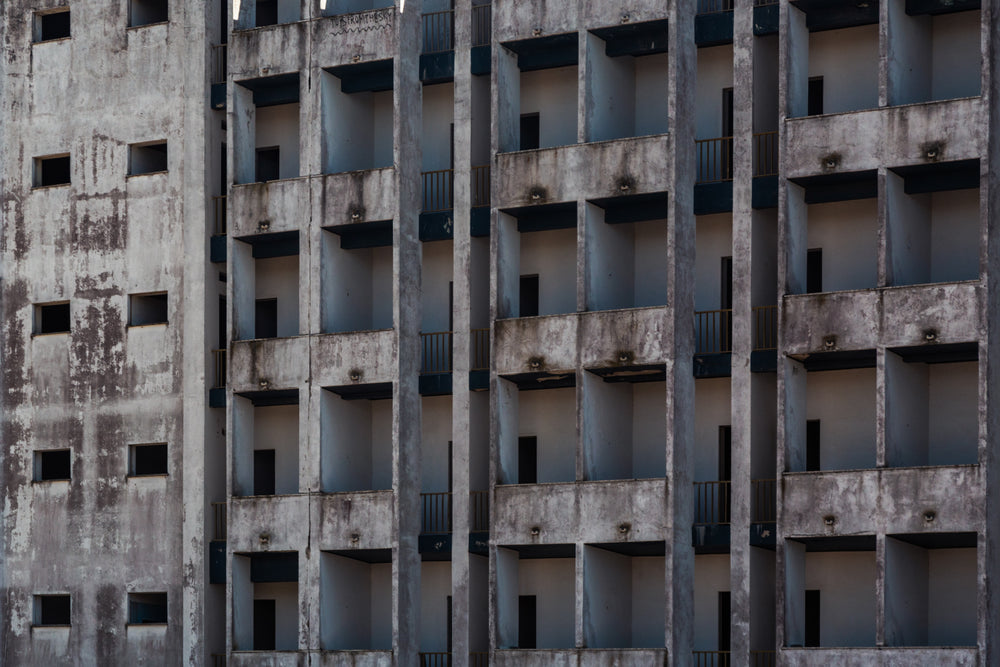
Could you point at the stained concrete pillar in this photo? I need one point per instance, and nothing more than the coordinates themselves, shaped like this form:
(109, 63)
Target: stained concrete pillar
(407, 131)
(461, 339)
(679, 335)
(242, 135)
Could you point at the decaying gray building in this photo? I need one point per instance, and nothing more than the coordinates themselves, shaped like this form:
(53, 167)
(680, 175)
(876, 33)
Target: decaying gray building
(540, 332)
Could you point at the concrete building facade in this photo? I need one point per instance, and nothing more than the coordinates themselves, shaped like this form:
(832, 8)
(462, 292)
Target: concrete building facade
(450, 332)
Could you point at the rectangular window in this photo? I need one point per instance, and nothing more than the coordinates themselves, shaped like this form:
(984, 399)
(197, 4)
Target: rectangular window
(265, 321)
(147, 608)
(527, 459)
(529, 296)
(264, 619)
(52, 25)
(814, 271)
(815, 96)
(52, 318)
(268, 164)
(148, 460)
(527, 628)
(52, 170)
(148, 158)
(147, 12)
(52, 610)
(530, 131)
(812, 618)
(267, 13)
(52, 465)
(263, 472)
(145, 309)
(812, 445)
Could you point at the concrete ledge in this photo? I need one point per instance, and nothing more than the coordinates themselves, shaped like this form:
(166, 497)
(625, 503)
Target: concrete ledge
(277, 360)
(890, 316)
(550, 338)
(562, 173)
(269, 659)
(886, 656)
(269, 50)
(517, 20)
(580, 657)
(888, 500)
(370, 194)
(339, 516)
(283, 205)
(337, 40)
(335, 356)
(892, 137)
(638, 332)
(250, 516)
(583, 511)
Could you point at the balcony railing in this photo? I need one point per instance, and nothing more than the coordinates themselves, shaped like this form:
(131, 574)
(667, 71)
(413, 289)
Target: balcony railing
(436, 353)
(219, 208)
(480, 522)
(765, 154)
(763, 658)
(439, 31)
(714, 6)
(715, 159)
(438, 191)
(220, 368)
(763, 501)
(219, 63)
(218, 660)
(479, 659)
(765, 328)
(219, 512)
(480, 349)
(481, 185)
(713, 331)
(482, 28)
(712, 501)
(436, 513)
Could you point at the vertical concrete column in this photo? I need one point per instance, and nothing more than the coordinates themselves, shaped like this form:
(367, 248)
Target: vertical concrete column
(881, 407)
(789, 556)
(242, 134)
(742, 337)
(461, 339)
(310, 115)
(679, 334)
(884, 54)
(880, 600)
(988, 551)
(407, 127)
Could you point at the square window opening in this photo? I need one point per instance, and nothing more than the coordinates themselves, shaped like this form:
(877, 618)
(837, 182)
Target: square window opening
(147, 460)
(53, 25)
(52, 610)
(147, 608)
(147, 158)
(146, 309)
(53, 465)
(52, 318)
(147, 12)
(52, 170)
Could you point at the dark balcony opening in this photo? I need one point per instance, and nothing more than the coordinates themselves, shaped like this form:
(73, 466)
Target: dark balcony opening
(536, 583)
(265, 596)
(930, 579)
(543, 427)
(357, 112)
(269, 112)
(544, 240)
(147, 460)
(54, 170)
(52, 25)
(615, 579)
(265, 443)
(52, 318)
(356, 438)
(53, 465)
(52, 610)
(356, 600)
(147, 309)
(356, 289)
(147, 12)
(273, 263)
(147, 608)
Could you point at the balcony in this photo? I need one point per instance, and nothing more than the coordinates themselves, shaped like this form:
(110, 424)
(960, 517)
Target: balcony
(219, 215)
(219, 63)
(439, 191)
(438, 31)
(765, 154)
(714, 158)
(437, 356)
(722, 658)
(220, 369)
(712, 502)
(482, 24)
(714, 330)
(435, 659)
(435, 513)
